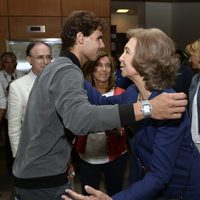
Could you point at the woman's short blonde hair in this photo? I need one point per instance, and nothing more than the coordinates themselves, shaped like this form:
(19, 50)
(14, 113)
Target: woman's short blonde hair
(155, 59)
(194, 49)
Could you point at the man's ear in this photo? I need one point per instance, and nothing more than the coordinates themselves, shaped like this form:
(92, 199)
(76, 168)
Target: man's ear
(29, 60)
(80, 37)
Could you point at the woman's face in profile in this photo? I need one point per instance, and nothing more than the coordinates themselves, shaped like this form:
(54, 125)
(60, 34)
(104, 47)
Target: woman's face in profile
(194, 62)
(126, 59)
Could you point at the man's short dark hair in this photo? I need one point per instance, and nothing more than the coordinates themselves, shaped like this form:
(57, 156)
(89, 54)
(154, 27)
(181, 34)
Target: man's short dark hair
(8, 54)
(80, 21)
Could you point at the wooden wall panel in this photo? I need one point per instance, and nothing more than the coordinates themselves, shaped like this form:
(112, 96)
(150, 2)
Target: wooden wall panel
(99, 7)
(4, 34)
(16, 15)
(33, 8)
(3, 7)
(18, 27)
(106, 37)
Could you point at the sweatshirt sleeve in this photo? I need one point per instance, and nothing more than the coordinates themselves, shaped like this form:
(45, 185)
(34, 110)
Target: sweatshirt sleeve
(77, 113)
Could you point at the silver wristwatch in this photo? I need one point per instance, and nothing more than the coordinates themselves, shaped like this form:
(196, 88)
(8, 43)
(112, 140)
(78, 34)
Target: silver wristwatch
(146, 108)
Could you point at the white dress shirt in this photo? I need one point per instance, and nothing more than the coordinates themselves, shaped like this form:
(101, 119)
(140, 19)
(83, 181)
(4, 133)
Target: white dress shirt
(5, 80)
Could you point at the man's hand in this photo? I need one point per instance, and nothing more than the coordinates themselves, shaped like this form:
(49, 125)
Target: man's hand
(70, 171)
(94, 195)
(169, 105)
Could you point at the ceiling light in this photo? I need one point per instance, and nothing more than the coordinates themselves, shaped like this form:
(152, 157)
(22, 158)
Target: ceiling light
(122, 10)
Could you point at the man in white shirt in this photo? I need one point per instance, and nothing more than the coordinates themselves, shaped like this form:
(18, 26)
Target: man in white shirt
(39, 54)
(8, 74)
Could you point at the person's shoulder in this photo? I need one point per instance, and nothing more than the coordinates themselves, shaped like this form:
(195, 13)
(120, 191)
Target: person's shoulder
(186, 70)
(21, 78)
(20, 81)
(155, 93)
(195, 79)
(64, 61)
(61, 64)
(19, 73)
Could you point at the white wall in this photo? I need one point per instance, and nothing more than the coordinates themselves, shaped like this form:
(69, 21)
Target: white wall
(181, 21)
(185, 23)
(158, 15)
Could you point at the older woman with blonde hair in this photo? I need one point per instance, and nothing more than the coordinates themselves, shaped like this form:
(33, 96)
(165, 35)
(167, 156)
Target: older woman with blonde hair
(168, 162)
(193, 50)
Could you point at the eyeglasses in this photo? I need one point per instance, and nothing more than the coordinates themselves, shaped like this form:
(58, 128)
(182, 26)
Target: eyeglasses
(42, 58)
(107, 65)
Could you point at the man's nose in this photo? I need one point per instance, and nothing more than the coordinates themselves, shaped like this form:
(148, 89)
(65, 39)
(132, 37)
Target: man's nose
(102, 45)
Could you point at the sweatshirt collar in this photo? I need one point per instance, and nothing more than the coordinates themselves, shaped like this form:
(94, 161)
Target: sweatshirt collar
(71, 56)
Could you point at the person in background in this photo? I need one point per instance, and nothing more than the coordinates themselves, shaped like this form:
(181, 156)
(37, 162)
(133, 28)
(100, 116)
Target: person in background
(58, 105)
(168, 162)
(193, 51)
(105, 152)
(38, 54)
(184, 74)
(8, 74)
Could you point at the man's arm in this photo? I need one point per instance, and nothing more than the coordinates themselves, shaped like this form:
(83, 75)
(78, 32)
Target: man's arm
(164, 106)
(95, 97)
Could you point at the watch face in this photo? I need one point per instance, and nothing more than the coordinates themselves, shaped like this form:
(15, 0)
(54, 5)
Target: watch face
(147, 109)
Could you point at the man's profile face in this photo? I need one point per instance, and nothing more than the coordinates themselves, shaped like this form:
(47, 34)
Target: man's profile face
(92, 45)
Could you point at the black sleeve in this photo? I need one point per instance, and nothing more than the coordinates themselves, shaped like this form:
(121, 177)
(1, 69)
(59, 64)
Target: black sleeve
(127, 115)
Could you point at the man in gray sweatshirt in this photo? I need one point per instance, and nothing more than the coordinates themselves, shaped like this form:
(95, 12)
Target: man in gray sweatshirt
(58, 104)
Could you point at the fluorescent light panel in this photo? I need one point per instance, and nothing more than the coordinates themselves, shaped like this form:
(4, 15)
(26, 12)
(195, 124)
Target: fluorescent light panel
(124, 10)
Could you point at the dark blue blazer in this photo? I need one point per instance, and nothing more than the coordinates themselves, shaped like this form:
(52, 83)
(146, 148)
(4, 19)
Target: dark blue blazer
(167, 153)
(169, 159)
(95, 97)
